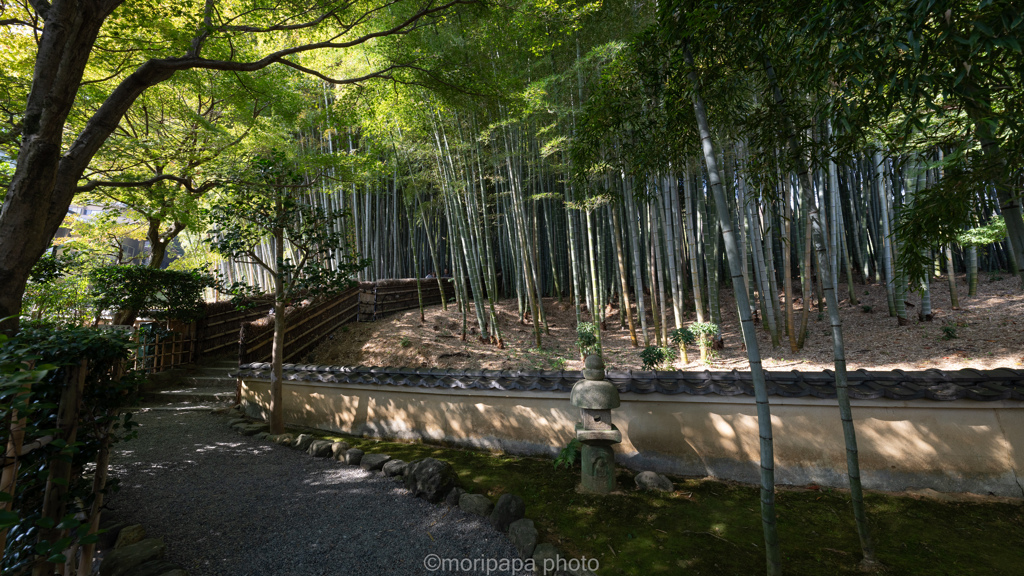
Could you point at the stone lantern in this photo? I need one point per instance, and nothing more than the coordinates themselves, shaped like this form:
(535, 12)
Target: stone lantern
(596, 397)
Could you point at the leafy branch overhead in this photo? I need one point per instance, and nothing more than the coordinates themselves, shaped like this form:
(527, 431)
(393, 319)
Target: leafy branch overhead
(271, 203)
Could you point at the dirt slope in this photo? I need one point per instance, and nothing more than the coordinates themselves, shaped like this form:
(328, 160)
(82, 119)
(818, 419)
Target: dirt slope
(989, 331)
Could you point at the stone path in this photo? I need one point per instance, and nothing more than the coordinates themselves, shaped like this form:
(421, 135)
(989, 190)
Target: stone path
(227, 504)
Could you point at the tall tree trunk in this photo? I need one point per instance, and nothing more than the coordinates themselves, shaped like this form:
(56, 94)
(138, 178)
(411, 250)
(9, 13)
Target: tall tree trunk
(806, 293)
(886, 244)
(954, 298)
(280, 321)
(788, 224)
(827, 280)
(621, 260)
(45, 175)
(633, 231)
(773, 557)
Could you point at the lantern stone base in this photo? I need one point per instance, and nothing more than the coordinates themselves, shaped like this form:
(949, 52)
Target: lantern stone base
(598, 463)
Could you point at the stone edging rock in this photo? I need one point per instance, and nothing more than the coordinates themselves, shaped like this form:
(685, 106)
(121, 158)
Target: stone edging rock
(130, 553)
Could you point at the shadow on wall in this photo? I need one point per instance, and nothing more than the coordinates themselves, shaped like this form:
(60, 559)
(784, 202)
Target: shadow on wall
(510, 424)
(952, 446)
(941, 447)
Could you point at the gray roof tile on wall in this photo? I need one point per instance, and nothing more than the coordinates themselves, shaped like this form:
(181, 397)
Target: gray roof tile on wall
(931, 384)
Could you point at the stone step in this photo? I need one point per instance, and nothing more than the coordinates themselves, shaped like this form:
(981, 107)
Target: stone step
(205, 395)
(209, 381)
(181, 406)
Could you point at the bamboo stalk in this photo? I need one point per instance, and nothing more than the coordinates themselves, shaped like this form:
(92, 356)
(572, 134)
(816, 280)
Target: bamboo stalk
(773, 558)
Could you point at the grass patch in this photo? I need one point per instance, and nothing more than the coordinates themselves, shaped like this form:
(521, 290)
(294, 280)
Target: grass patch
(711, 527)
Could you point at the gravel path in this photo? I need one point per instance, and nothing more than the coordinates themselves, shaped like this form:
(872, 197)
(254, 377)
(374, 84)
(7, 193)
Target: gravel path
(226, 504)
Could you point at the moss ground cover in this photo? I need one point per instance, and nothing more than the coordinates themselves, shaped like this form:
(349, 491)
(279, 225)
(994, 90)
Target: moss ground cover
(711, 527)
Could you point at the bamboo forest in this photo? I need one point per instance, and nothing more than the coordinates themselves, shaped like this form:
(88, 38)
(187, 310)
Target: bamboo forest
(789, 234)
(588, 177)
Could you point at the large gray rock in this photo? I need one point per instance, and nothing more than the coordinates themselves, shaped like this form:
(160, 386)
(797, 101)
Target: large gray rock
(373, 461)
(130, 535)
(452, 499)
(320, 448)
(394, 467)
(262, 436)
(285, 439)
(353, 456)
(430, 478)
(653, 481)
(303, 442)
(523, 535)
(119, 561)
(338, 450)
(476, 504)
(108, 538)
(545, 558)
(237, 420)
(508, 509)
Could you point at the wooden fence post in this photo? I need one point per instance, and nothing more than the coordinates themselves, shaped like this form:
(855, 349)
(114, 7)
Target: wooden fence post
(60, 466)
(9, 478)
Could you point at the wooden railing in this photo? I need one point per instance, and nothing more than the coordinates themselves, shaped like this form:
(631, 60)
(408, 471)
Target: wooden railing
(217, 332)
(307, 326)
(163, 349)
(385, 296)
(249, 332)
(175, 344)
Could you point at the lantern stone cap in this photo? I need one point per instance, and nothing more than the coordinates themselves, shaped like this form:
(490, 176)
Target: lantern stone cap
(594, 395)
(593, 368)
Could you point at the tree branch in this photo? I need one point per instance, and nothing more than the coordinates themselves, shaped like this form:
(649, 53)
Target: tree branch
(17, 22)
(404, 27)
(42, 7)
(283, 27)
(106, 118)
(378, 74)
(184, 182)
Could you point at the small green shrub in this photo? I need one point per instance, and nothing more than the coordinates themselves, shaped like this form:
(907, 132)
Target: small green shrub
(161, 294)
(57, 353)
(682, 336)
(569, 455)
(586, 338)
(655, 356)
(949, 332)
(704, 333)
(866, 308)
(58, 291)
(405, 342)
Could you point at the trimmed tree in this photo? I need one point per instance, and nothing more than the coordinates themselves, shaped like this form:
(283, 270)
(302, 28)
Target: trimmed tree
(267, 221)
